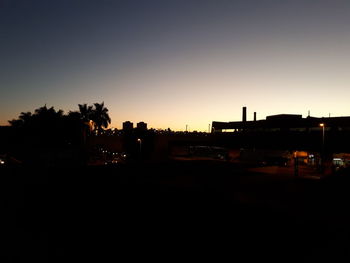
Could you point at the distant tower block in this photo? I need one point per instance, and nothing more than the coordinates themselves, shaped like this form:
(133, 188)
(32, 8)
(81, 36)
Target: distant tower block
(141, 126)
(254, 116)
(128, 126)
(244, 117)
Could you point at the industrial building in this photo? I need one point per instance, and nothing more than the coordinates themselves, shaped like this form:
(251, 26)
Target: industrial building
(286, 132)
(283, 122)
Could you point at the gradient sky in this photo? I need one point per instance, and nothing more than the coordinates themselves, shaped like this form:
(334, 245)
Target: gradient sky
(172, 63)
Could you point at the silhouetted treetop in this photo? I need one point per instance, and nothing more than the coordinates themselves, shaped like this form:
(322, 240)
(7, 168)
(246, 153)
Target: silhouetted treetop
(85, 112)
(44, 118)
(100, 117)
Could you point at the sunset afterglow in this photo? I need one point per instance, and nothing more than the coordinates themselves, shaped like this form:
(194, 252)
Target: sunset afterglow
(176, 63)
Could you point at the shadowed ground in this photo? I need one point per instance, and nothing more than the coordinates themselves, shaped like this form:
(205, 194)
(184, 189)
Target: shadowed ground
(176, 210)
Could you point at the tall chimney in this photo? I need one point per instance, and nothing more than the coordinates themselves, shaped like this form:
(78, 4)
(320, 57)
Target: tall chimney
(244, 117)
(254, 116)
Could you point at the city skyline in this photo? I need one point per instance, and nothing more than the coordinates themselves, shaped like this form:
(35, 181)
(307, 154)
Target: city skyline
(176, 63)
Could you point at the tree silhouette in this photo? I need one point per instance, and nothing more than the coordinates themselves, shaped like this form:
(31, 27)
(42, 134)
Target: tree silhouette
(100, 117)
(23, 120)
(75, 129)
(45, 128)
(48, 136)
(25, 116)
(85, 112)
(43, 116)
(47, 122)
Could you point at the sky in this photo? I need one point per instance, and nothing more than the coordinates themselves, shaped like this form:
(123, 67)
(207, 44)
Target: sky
(176, 63)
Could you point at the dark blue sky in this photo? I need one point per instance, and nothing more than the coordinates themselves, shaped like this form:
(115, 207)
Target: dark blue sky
(172, 63)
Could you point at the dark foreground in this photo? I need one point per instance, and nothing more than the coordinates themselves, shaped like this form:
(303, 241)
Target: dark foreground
(172, 211)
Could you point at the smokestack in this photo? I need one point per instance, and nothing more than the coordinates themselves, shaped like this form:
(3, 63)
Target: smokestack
(244, 117)
(254, 116)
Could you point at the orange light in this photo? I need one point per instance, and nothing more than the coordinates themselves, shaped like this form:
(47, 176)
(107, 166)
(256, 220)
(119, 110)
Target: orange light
(321, 124)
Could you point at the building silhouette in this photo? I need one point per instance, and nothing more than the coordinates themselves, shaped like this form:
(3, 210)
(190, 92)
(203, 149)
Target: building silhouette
(128, 126)
(283, 122)
(286, 131)
(141, 126)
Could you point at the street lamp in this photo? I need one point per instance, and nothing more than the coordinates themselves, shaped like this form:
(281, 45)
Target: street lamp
(322, 125)
(322, 156)
(140, 142)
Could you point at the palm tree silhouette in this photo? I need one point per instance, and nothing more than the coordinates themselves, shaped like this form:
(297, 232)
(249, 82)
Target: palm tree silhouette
(100, 117)
(85, 112)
